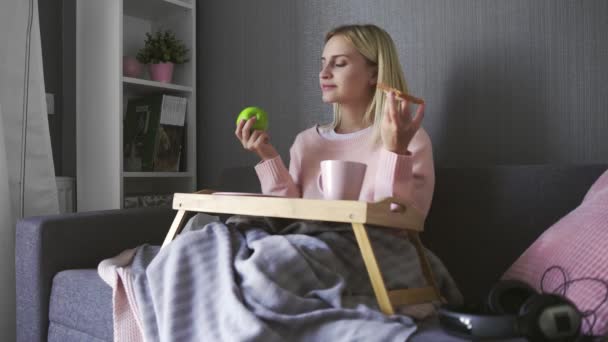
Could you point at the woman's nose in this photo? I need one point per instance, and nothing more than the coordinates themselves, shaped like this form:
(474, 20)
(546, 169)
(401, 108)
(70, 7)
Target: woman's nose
(324, 73)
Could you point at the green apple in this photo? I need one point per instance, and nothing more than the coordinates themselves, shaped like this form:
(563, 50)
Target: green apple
(261, 118)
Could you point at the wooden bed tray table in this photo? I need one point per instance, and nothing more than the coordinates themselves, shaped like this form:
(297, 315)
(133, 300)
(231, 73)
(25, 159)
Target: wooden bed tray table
(357, 213)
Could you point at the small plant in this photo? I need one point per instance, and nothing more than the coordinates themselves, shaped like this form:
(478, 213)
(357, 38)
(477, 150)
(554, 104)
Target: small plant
(162, 47)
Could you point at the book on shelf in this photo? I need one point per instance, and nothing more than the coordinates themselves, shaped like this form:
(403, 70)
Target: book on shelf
(148, 200)
(154, 131)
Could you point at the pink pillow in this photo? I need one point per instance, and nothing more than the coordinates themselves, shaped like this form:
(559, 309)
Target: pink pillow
(578, 243)
(598, 189)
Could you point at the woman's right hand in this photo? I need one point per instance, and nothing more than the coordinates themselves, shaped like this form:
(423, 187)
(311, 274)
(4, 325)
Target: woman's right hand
(255, 140)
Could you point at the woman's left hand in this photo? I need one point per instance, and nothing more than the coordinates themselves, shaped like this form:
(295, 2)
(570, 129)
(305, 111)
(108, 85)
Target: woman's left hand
(398, 127)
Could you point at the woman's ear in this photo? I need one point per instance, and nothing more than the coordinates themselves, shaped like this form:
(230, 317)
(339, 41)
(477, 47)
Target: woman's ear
(373, 80)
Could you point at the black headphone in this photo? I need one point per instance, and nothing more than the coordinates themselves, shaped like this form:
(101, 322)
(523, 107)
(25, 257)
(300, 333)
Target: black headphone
(514, 309)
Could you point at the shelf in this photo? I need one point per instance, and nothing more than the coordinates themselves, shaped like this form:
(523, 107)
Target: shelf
(139, 83)
(154, 9)
(157, 174)
(109, 30)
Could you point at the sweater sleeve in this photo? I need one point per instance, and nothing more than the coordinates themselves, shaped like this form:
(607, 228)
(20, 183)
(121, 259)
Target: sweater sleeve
(274, 177)
(410, 178)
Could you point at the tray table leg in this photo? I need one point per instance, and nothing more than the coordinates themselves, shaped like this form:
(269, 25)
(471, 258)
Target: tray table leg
(176, 227)
(372, 269)
(424, 263)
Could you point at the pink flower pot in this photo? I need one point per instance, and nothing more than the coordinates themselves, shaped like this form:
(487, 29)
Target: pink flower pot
(131, 67)
(161, 72)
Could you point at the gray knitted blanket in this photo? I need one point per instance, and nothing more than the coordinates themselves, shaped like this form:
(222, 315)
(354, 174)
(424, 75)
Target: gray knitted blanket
(274, 280)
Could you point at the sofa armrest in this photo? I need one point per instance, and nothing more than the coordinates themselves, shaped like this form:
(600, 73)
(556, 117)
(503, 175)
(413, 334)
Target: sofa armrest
(46, 245)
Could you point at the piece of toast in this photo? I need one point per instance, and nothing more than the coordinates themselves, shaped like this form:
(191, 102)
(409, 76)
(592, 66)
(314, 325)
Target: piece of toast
(400, 94)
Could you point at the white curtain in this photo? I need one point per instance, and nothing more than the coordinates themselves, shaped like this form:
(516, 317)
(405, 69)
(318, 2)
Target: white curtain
(22, 101)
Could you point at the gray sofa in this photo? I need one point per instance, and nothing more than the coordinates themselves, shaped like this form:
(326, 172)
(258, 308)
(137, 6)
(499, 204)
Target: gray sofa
(480, 221)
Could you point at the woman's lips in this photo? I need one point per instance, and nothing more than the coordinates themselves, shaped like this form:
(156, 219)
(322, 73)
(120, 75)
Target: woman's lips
(326, 87)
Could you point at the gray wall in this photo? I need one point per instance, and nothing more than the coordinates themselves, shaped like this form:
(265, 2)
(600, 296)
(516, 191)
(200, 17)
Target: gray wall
(50, 14)
(58, 38)
(68, 110)
(506, 82)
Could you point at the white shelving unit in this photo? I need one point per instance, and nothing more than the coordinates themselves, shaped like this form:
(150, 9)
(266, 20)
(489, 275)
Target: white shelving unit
(105, 32)
(148, 85)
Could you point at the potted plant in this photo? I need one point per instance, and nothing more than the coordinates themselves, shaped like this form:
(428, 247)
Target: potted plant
(161, 51)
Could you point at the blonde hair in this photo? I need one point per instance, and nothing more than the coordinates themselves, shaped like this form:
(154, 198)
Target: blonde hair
(378, 48)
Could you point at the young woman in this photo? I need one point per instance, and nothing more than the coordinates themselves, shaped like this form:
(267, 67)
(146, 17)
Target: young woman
(370, 126)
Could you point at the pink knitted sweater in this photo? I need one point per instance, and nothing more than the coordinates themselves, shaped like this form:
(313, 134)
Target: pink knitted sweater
(408, 178)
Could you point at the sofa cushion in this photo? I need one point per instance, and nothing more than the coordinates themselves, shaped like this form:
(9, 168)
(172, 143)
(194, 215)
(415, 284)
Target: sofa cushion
(61, 333)
(81, 301)
(574, 248)
(483, 218)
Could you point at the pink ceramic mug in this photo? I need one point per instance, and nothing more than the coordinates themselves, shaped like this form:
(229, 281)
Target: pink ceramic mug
(341, 180)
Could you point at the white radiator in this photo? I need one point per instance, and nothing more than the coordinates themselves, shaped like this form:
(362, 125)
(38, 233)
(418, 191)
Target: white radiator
(65, 192)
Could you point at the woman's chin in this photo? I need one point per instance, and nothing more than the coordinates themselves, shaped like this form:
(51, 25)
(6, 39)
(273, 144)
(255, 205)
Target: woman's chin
(328, 99)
